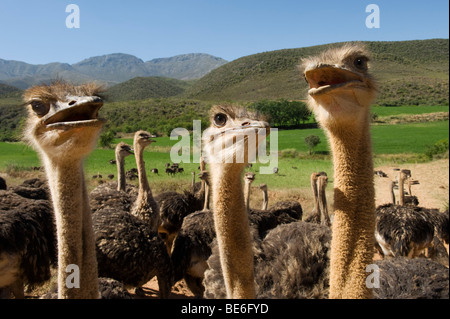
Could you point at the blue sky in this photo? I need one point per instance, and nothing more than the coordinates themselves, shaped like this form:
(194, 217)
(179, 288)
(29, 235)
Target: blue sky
(35, 31)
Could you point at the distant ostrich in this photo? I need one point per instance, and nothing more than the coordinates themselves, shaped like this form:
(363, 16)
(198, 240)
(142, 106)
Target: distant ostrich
(404, 230)
(265, 204)
(316, 214)
(322, 182)
(27, 243)
(286, 208)
(128, 246)
(115, 194)
(145, 206)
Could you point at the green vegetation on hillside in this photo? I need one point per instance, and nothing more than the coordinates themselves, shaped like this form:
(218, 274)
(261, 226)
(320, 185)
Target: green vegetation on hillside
(147, 87)
(158, 116)
(409, 72)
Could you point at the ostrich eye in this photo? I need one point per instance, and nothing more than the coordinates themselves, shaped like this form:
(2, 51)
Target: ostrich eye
(360, 63)
(220, 119)
(40, 108)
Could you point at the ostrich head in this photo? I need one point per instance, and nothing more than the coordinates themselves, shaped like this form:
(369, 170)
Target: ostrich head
(250, 177)
(341, 88)
(142, 139)
(234, 135)
(123, 150)
(63, 119)
(204, 176)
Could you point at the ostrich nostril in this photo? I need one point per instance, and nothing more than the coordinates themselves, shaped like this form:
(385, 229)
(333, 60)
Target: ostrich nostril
(72, 103)
(245, 124)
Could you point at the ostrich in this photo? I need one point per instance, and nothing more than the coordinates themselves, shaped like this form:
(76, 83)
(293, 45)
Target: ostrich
(174, 207)
(322, 182)
(317, 215)
(130, 251)
(128, 246)
(63, 127)
(227, 161)
(144, 207)
(418, 278)
(115, 194)
(191, 247)
(340, 94)
(27, 243)
(292, 209)
(404, 230)
(265, 204)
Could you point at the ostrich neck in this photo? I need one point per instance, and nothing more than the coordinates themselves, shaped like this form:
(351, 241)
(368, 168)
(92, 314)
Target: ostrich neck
(315, 194)
(206, 203)
(247, 189)
(354, 203)
(265, 200)
(232, 229)
(76, 245)
(145, 206)
(143, 180)
(121, 185)
(401, 190)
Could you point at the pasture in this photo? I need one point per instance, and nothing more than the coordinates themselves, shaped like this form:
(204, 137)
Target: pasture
(392, 144)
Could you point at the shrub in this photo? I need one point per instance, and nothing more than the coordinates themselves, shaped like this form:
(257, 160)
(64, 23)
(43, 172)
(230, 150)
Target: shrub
(312, 141)
(438, 149)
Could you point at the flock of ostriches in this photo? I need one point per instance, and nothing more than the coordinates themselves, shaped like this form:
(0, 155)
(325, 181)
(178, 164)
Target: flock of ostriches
(120, 236)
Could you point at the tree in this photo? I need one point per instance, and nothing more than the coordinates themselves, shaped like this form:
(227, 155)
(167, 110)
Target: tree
(106, 139)
(312, 141)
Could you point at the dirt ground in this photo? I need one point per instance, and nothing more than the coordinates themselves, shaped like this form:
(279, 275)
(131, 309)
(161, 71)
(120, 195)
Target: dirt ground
(432, 192)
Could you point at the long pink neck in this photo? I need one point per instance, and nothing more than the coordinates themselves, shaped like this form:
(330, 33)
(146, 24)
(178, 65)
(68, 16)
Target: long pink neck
(354, 203)
(77, 263)
(232, 229)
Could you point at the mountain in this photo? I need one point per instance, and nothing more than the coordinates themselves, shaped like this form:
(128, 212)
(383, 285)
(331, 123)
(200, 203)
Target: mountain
(409, 72)
(111, 69)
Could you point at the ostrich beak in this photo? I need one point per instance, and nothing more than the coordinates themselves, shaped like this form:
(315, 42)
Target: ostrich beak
(78, 111)
(324, 78)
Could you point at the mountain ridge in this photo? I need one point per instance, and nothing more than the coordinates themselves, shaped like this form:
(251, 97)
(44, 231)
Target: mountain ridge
(111, 68)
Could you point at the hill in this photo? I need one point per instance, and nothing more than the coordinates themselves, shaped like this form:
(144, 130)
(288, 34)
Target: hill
(110, 68)
(140, 88)
(409, 72)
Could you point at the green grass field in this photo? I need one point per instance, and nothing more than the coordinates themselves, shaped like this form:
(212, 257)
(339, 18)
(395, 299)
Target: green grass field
(404, 140)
